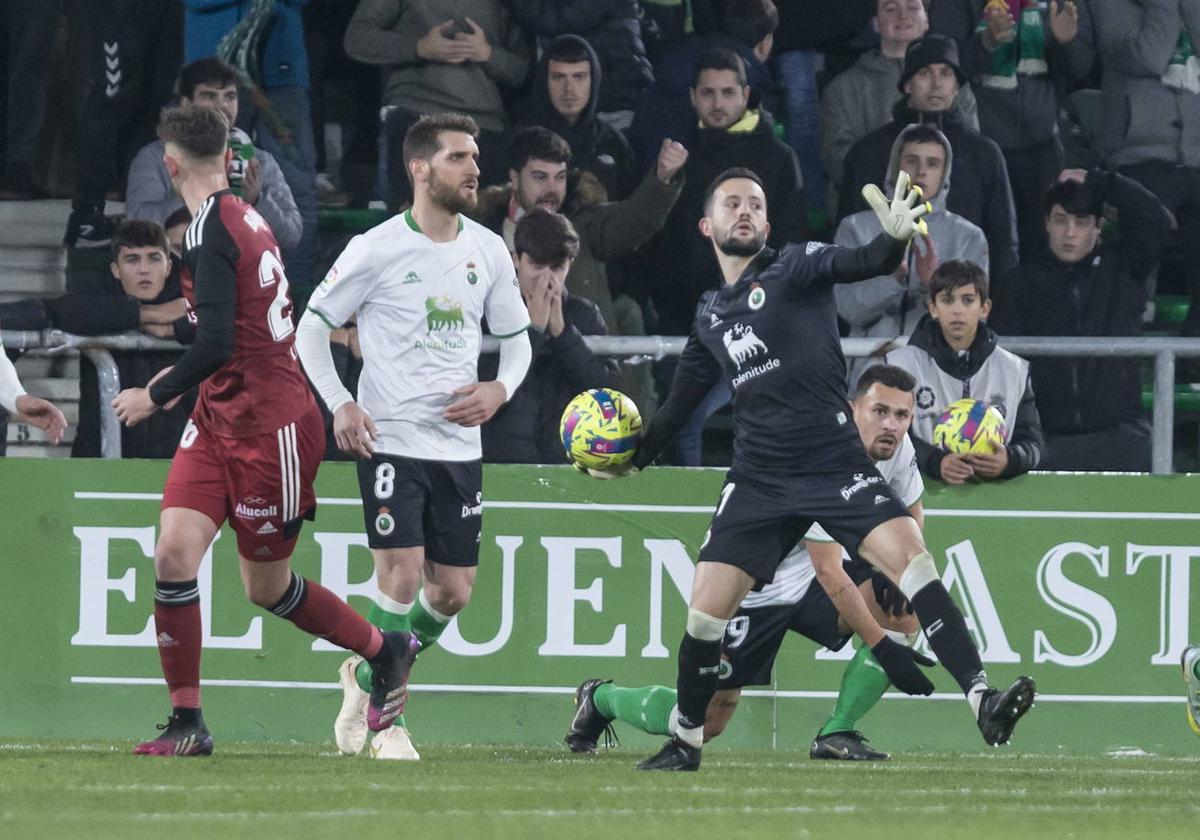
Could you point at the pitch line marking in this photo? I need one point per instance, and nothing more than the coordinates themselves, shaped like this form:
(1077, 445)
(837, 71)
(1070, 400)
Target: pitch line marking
(337, 501)
(447, 688)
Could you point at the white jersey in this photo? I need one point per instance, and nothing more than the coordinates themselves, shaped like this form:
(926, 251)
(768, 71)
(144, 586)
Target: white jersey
(796, 574)
(419, 305)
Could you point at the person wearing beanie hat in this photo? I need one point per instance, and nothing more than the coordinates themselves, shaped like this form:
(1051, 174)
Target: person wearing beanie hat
(930, 82)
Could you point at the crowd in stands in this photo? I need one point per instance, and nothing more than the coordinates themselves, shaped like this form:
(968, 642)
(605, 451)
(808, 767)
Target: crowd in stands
(603, 123)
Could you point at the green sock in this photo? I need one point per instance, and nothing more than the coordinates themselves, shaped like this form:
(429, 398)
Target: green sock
(863, 683)
(384, 620)
(427, 622)
(647, 708)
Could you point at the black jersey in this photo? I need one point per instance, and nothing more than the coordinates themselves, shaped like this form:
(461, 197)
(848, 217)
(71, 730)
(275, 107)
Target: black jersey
(773, 336)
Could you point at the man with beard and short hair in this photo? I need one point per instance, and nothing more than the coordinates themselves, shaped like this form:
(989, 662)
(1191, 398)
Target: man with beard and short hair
(770, 331)
(883, 410)
(420, 284)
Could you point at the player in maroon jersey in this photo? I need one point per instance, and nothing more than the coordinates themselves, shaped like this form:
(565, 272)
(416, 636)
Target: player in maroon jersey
(251, 449)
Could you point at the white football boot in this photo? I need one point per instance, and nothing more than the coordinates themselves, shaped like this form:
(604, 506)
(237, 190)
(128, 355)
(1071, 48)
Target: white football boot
(350, 728)
(394, 743)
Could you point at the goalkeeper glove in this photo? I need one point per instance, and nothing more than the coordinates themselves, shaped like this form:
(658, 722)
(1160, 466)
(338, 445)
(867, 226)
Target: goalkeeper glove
(900, 664)
(901, 219)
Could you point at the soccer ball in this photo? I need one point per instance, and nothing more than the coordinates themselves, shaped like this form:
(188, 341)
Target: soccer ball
(970, 426)
(601, 428)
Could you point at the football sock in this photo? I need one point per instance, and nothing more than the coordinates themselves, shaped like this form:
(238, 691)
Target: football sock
(427, 622)
(863, 683)
(947, 633)
(385, 614)
(177, 626)
(699, 666)
(316, 610)
(647, 708)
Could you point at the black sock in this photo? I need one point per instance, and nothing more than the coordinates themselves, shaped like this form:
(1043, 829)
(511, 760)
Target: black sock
(699, 670)
(187, 716)
(947, 633)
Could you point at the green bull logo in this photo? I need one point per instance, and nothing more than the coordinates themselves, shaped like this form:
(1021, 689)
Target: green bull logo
(443, 314)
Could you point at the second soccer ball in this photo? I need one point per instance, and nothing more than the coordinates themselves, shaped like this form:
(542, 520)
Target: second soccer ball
(970, 426)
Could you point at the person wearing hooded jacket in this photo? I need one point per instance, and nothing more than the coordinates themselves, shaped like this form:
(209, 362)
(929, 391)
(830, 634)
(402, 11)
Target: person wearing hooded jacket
(565, 97)
(930, 81)
(890, 306)
(860, 99)
(953, 355)
(614, 30)
(731, 133)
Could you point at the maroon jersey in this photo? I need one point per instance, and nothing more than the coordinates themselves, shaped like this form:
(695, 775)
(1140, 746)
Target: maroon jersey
(244, 352)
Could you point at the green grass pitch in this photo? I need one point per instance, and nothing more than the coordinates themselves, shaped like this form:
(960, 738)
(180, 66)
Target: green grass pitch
(297, 791)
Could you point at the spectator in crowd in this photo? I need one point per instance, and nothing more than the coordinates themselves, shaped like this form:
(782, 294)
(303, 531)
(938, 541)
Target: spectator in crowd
(804, 30)
(613, 28)
(859, 100)
(28, 28)
(149, 195)
(731, 133)
(930, 82)
(890, 306)
(665, 109)
(565, 95)
(437, 59)
(1080, 284)
(539, 177)
(128, 52)
(142, 294)
(264, 41)
(525, 429)
(1018, 54)
(1151, 115)
(953, 355)
(608, 230)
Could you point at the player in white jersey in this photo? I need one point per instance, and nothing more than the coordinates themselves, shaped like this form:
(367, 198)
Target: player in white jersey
(420, 285)
(24, 408)
(851, 598)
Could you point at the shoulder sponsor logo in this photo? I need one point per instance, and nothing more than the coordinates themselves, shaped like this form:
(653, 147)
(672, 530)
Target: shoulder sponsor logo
(254, 221)
(412, 277)
(331, 277)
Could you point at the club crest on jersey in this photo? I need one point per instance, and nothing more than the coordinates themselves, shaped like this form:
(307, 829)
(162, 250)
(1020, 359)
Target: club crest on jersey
(443, 314)
(472, 277)
(742, 344)
(412, 277)
(758, 296)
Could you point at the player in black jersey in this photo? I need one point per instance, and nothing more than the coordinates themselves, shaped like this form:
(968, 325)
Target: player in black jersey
(771, 331)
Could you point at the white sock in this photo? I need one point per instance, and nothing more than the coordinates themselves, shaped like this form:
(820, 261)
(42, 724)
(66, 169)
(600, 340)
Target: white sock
(975, 696)
(693, 735)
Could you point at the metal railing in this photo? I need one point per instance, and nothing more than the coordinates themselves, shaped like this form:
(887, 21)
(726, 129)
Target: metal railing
(1164, 351)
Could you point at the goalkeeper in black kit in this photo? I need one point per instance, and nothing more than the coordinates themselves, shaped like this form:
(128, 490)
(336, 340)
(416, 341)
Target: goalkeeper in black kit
(770, 331)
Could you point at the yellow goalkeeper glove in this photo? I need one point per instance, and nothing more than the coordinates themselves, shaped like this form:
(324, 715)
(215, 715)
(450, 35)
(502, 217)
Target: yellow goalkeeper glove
(901, 219)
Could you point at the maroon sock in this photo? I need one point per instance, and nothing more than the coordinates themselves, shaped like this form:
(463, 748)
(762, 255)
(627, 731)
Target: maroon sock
(314, 609)
(177, 625)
